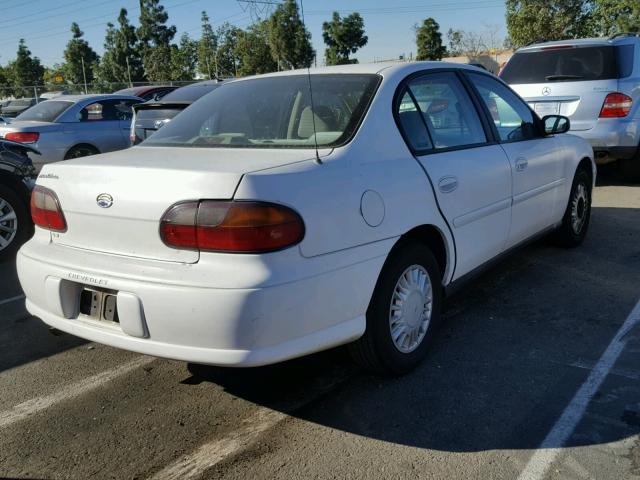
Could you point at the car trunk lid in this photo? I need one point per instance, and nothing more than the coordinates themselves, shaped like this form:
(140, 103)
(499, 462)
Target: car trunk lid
(140, 184)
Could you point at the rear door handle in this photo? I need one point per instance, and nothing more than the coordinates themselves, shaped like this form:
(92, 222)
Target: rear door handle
(521, 164)
(448, 184)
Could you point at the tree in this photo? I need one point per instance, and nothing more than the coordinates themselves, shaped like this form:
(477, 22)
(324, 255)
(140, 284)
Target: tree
(253, 51)
(79, 58)
(184, 59)
(55, 74)
(227, 55)
(542, 20)
(455, 42)
(207, 49)
(155, 39)
(429, 41)
(343, 36)
(121, 59)
(615, 16)
(289, 39)
(25, 70)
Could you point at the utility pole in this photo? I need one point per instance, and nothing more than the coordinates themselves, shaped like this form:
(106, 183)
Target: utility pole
(84, 75)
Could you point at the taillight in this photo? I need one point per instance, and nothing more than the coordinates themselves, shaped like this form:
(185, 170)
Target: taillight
(23, 137)
(227, 226)
(616, 105)
(46, 211)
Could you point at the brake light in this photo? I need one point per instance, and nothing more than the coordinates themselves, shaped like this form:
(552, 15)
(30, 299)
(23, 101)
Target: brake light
(23, 137)
(46, 211)
(616, 105)
(234, 227)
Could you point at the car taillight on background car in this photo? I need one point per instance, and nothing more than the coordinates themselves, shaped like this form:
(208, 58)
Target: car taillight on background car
(23, 137)
(231, 226)
(616, 105)
(46, 211)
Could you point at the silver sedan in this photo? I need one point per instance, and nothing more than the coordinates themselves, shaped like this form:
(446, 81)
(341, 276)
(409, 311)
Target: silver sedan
(73, 126)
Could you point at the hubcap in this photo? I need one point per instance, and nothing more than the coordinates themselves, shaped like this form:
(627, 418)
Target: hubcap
(579, 209)
(8, 224)
(410, 310)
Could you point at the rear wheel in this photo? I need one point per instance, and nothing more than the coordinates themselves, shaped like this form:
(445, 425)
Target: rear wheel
(15, 224)
(81, 151)
(403, 313)
(577, 216)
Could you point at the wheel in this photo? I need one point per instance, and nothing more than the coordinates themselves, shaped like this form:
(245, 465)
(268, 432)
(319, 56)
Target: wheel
(630, 169)
(80, 151)
(575, 222)
(403, 313)
(15, 223)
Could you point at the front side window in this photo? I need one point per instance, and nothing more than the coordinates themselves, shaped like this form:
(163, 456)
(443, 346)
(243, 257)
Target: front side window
(46, 111)
(513, 119)
(274, 112)
(447, 111)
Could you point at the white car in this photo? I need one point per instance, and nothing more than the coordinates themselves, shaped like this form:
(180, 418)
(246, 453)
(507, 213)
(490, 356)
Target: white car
(260, 226)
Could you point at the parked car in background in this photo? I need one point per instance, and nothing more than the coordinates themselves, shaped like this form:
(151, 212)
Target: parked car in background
(17, 177)
(74, 126)
(260, 225)
(148, 117)
(595, 82)
(17, 106)
(148, 92)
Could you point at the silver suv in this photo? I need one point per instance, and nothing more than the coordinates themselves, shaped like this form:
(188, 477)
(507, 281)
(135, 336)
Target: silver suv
(594, 82)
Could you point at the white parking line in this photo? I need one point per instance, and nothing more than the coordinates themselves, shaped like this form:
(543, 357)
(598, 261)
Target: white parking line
(12, 299)
(551, 446)
(36, 405)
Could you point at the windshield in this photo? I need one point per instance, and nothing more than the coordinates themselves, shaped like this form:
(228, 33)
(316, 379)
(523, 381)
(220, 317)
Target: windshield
(20, 103)
(562, 65)
(274, 112)
(45, 111)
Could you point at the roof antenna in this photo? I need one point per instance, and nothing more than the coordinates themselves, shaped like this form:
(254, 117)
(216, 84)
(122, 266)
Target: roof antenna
(313, 115)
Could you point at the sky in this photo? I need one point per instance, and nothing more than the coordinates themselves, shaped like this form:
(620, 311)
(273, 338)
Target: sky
(44, 24)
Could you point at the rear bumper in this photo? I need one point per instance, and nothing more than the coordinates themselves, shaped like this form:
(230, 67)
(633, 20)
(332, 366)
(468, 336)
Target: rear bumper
(198, 323)
(612, 139)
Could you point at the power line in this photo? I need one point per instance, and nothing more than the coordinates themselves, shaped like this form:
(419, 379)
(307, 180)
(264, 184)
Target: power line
(10, 20)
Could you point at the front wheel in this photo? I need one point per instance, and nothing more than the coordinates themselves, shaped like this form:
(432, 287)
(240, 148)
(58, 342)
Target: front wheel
(577, 216)
(403, 313)
(15, 223)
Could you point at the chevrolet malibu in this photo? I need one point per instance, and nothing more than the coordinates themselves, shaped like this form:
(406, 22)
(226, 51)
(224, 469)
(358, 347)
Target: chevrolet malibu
(289, 213)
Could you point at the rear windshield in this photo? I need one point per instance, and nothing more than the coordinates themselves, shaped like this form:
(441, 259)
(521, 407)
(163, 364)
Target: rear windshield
(562, 65)
(45, 111)
(20, 103)
(190, 93)
(274, 112)
(146, 114)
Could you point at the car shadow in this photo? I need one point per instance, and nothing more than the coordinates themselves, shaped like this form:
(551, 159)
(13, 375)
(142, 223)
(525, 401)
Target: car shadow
(516, 345)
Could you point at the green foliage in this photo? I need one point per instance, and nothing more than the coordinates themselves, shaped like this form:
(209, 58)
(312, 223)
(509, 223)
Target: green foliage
(253, 51)
(455, 38)
(289, 40)
(227, 58)
(25, 70)
(154, 38)
(207, 49)
(121, 58)
(543, 20)
(429, 41)
(343, 36)
(184, 59)
(79, 57)
(616, 16)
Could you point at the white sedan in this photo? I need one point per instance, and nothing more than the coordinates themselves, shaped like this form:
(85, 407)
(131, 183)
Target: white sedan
(265, 223)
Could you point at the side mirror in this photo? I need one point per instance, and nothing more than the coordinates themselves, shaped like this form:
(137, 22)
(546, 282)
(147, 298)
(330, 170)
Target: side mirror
(554, 124)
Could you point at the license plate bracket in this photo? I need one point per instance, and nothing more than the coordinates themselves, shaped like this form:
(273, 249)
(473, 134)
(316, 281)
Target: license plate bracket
(99, 305)
(546, 108)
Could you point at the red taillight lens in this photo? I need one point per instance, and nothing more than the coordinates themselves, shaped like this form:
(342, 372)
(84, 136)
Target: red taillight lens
(46, 211)
(23, 137)
(238, 227)
(616, 105)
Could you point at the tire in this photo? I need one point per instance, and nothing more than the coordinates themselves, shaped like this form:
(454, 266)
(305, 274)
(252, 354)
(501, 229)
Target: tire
(630, 169)
(81, 151)
(376, 350)
(576, 219)
(15, 223)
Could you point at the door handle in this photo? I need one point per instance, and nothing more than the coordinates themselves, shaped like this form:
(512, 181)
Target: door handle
(447, 184)
(521, 164)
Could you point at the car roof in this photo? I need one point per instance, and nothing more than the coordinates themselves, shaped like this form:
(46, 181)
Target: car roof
(81, 98)
(579, 42)
(141, 89)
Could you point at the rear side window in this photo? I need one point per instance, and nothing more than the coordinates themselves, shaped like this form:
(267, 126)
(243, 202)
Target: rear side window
(624, 54)
(443, 106)
(562, 65)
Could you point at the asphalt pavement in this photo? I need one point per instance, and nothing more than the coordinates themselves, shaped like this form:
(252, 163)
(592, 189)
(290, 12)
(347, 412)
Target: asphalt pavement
(541, 351)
